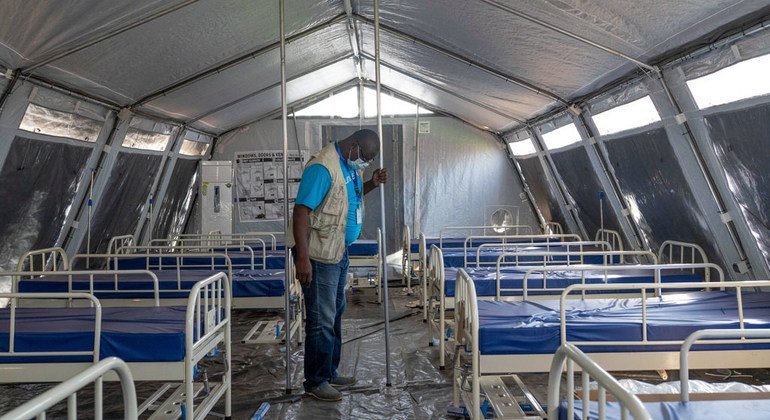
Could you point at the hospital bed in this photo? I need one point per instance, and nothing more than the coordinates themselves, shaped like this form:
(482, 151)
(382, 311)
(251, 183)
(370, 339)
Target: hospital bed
(67, 390)
(511, 282)
(643, 333)
(716, 406)
(45, 344)
(167, 284)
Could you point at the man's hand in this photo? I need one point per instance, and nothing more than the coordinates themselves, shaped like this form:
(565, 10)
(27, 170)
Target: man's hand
(380, 176)
(304, 271)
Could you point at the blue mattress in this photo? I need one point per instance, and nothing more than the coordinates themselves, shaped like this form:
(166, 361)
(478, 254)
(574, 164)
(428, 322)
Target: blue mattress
(274, 260)
(456, 257)
(485, 279)
(706, 410)
(133, 334)
(246, 283)
(532, 327)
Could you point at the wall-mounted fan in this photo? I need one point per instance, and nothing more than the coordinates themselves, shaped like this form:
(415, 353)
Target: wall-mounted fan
(501, 219)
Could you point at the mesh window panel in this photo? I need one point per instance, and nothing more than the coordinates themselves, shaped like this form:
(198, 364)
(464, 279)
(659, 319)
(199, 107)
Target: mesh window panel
(538, 185)
(741, 141)
(37, 184)
(172, 209)
(584, 186)
(657, 191)
(126, 193)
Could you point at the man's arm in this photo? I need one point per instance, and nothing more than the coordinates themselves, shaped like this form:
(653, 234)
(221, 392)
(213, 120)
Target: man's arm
(300, 223)
(380, 176)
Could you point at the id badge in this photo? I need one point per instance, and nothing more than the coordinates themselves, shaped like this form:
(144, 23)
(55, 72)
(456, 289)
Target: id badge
(359, 215)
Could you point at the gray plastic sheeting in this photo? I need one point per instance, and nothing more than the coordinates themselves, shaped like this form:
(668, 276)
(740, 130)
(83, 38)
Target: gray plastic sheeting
(37, 184)
(658, 194)
(120, 208)
(584, 187)
(547, 203)
(740, 139)
(464, 173)
(177, 201)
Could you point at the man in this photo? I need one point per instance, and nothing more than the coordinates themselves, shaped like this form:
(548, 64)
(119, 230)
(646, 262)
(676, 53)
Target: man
(327, 218)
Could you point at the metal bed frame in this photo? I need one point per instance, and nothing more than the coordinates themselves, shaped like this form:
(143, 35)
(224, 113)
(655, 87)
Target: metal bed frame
(527, 229)
(554, 227)
(579, 252)
(611, 236)
(207, 327)
(570, 355)
(466, 311)
(438, 301)
(67, 390)
(221, 239)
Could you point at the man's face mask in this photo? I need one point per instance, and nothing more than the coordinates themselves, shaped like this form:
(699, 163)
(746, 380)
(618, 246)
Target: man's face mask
(358, 164)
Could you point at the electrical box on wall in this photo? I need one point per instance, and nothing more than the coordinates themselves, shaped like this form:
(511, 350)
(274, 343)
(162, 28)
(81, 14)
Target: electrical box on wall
(216, 196)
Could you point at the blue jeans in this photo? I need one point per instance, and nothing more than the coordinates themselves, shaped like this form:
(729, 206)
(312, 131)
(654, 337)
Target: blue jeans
(324, 306)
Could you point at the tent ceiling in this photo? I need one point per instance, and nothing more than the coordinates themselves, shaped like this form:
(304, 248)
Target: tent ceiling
(131, 53)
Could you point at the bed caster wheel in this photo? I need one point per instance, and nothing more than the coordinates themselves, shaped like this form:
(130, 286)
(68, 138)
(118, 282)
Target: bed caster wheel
(441, 367)
(424, 321)
(430, 343)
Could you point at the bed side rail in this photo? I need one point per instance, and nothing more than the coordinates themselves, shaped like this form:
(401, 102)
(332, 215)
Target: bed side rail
(471, 229)
(738, 336)
(554, 228)
(91, 274)
(514, 247)
(47, 259)
(738, 286)
(251, 239)
(152, 251)
(67, 390)
(545, 268)
(611, 236)
(216, 261)
(207, 317)
(518, 239)
(117, 242)
(570, 355)
(13, 305)
(572, 257)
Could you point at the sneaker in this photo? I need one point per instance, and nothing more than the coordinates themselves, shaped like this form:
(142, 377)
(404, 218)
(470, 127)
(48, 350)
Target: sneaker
(343, 381)
(324, 392)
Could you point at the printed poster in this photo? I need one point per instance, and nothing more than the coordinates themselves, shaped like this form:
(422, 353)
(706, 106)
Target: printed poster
(259, 183)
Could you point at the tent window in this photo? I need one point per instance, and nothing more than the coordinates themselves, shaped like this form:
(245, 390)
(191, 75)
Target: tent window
(561, 137)
(638, 113)
(146, 140)
(522, 147)
(38, 119)
(345, 105)
(193, 148)
(746, 79)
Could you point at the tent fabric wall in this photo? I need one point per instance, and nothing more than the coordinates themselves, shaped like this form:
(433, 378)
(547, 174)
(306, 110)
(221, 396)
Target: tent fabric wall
(125, 196)
(654, 185)
(38, 181)
(464, 173)
(456, 160)
(176, 202)
(584, 187)
(547, 203)
(740, 139)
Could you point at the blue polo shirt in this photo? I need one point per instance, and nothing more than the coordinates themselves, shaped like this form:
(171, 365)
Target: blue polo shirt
(315, 184)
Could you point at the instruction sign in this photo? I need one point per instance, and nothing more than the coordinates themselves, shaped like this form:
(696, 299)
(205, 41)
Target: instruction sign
(259, 183)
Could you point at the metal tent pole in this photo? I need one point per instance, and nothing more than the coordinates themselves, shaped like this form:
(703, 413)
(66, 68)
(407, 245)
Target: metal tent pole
(285, 129)
(382, 192)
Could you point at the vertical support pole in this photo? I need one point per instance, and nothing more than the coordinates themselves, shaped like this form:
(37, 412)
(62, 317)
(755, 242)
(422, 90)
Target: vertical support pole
(285, 129)
(416, 211)
(382, 192)
(361, 101)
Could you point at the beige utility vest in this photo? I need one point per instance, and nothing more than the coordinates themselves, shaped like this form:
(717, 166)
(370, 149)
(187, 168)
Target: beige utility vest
(326, 241)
